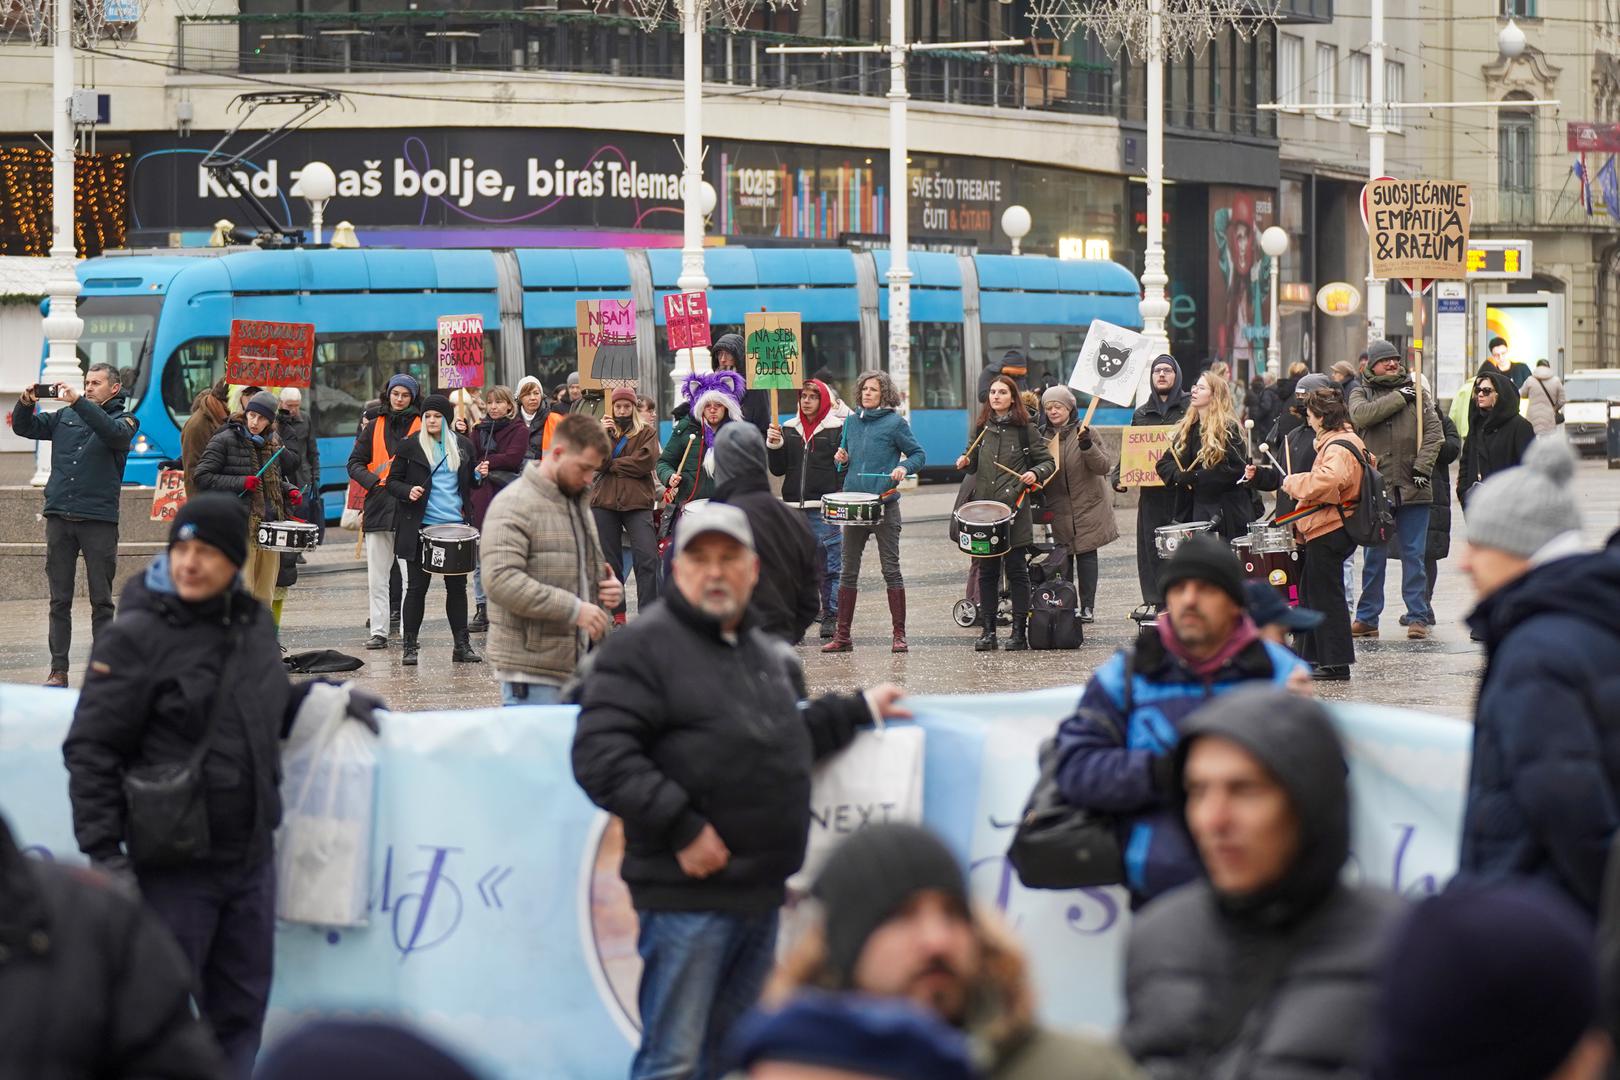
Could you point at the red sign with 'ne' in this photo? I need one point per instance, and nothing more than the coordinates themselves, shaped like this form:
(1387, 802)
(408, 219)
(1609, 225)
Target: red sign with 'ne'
(687, 316)
(270, 353)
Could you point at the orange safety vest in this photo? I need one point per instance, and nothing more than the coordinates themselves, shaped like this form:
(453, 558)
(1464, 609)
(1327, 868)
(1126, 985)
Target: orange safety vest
(381, 459)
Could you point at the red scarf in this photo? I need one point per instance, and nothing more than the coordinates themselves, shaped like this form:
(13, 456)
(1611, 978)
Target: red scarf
(1243, 635)
(808, 424)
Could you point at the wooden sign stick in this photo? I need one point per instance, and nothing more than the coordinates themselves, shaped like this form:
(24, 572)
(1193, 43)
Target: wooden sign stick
(680, 470)
(1417, 358)
(1091, 410)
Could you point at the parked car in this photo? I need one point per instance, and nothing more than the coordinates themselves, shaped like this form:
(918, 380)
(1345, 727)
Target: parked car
(1586, 416)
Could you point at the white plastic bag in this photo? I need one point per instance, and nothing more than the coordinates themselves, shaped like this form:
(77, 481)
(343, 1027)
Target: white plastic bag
(877, 779)
(323, 848)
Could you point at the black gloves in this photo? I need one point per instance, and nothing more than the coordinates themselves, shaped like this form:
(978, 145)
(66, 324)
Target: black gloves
(363, 706)
(1164, 773)
(1408, 392)
(120, 875)
(1420, 481)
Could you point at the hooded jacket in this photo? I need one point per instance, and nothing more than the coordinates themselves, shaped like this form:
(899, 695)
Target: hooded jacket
(1438, 543)
(805, 458)
(1387, 423)
(1276, 985)
(297, 433)
(1544, 783)
(697, 474)
(1078, 495)
(788, 594)
(380, 506)
(755, 404)
(875, 440)
(1159, 411)
(1545, 399)
(89, 445)
(1496, 440)
(1013, 364)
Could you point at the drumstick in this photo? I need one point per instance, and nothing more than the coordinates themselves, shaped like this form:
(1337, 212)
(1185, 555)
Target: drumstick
(263, 467)
(681, 468)
(1004, 469)
(974, 444)
(1265, 449)
(1248, 438)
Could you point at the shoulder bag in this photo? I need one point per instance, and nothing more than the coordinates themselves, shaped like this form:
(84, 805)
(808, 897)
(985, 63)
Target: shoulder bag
(1558, 414)
(166, 806)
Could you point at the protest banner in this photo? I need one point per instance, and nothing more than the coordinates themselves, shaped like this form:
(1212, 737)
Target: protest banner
(607, 343)
(774, 344)
(1139, 451)
(686, 315)
(266, 354)
(168, 494)
(1112, 364)
(1418, 228)
(461, 351)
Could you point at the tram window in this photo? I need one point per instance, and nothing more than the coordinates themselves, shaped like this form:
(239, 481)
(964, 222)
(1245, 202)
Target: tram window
(1045, 354)
(936, 364)
(353, 369)
(553, 355)
(832, 353)
(192, 368)
(998, 340)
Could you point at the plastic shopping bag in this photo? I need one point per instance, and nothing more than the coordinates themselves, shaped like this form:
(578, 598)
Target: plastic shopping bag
(323, 848)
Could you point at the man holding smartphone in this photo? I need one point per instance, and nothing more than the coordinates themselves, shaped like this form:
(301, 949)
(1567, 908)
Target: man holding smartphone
(89, 437)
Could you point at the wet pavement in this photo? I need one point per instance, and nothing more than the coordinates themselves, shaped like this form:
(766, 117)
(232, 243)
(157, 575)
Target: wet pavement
(327, 610)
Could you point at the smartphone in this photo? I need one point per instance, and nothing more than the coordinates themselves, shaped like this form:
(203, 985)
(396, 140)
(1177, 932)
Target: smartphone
(44, 390)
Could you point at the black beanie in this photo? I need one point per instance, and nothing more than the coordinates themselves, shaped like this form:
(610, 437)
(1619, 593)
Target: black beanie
(440, 404)
(1202, 557)
(218, 520)
(358, 1050)
(1486, 982)
(870, 876)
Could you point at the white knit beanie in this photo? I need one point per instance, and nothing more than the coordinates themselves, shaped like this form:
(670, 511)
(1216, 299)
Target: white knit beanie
(1519, 510)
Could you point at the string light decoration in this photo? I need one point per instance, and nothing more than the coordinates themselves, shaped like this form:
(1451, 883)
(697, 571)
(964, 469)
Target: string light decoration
(1186, 26)
(652, 12)
(100, 201)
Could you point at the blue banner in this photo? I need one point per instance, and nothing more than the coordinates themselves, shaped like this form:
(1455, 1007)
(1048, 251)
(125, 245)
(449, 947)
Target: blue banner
(499, 923)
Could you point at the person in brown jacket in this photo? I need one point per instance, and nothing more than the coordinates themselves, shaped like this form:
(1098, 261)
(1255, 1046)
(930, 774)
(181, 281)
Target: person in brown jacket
(208, 414)
(1079, 493)
(1334, 480)
(623, 500)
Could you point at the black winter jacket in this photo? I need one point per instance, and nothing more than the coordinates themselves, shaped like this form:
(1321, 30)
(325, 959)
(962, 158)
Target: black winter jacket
(152, 680)
(379, 513)
(89, 445)
(411, 469)
(1296, 450)
(1496, 440)
(807, 477)
(1438, 544)
(92, 987)
(231, 456)
(788, 594)
(297, 434)
(1210, 493)
(680, 728)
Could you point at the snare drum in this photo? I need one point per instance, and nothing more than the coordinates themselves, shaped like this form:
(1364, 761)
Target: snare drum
(1167, 538)
(859, 509)
(1265, 539)
(984, 528)
(287, 535)
(448, 549)
(1279, 569)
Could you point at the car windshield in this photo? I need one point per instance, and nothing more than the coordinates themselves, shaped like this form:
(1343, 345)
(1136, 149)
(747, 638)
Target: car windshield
(1600, 389)
(118, 331)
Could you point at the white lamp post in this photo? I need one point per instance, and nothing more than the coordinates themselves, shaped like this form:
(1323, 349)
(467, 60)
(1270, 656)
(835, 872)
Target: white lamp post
(1274, 242)
(1016, 223)
(317, 183)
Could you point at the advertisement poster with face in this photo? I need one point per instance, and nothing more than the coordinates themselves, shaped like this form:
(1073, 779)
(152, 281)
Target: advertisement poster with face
(1239, 318)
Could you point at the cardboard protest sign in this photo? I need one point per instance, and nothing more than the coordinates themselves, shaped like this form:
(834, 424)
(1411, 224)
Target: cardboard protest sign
(1139, 451)
(1112, 363)
(607, 343)
(687, 317)
(1418, 228)
(270, 353)
(461, 351)
(773, 342)
(169, 494)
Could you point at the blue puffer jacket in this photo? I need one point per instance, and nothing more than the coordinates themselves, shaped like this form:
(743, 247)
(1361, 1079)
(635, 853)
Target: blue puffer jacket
(1133, 781)
(875, 440)
(1544, 785)
(89, 445)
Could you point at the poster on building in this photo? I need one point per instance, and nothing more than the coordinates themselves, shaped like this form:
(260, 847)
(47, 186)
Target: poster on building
(461, 351)
(1112, 363)
(1239, 278)
(686, 315)
(1140, 449)
(270, 353)
(607, 353)
(775, 351)
(1418, 228)
(1450, 336)
(168, 494)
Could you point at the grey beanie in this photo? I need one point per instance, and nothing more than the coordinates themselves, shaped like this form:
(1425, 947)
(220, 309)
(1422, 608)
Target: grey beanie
(1519, 510)
(264, 403)
(1061, 394)
(1314, 381)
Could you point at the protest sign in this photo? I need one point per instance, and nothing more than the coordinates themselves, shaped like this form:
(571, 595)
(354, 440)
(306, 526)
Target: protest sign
(461, 351)
(1418, 228)
(1111, 365)
(270, 353)
(169, 494)
(607, 343)
(1139, 451)
(775, 353)
(687, 317)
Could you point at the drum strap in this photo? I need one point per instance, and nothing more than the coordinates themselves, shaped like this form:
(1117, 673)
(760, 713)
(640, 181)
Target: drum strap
(381, 457)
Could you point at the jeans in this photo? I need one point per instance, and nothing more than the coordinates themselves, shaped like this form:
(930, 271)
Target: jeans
(702, 970)
(830, 556)
(611, 527)
(1411, 536)
(224, 920)
(522, 693)
(1321, 588)
(64, 540)
(380, 566)
(888, 541)
(455, 601)
(478, 586)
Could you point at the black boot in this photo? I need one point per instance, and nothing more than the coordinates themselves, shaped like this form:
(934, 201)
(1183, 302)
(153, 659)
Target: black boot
(987, 638)
(829, 627)
(463, 653)
(479, 623)
(407, 653)
(1019, 642)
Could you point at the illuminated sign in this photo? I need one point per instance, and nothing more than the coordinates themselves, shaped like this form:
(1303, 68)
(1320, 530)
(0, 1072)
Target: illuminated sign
(1499, 259)
(1084, 247)
(1338, 299)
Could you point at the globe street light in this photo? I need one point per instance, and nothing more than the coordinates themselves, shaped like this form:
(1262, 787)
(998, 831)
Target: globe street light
(317, 183)
(1274, 242)
(1510, 40)
(1016, 223)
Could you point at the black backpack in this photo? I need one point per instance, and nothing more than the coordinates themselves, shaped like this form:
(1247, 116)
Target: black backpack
(1373, 523)
(1054, 622)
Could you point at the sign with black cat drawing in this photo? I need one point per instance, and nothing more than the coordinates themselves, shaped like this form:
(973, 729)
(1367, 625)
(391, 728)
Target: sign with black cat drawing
(1111, 364)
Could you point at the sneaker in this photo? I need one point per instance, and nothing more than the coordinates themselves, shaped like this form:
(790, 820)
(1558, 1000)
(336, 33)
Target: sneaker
(376, 641)
(1087, 616)
(56, 678)
(1361, 629)
(1330, 673)
(1417, 631)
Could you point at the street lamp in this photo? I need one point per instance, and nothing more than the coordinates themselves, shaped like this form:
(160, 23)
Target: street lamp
(1510, 40)
(1274, 242)
(1016, 223)
(317, 183)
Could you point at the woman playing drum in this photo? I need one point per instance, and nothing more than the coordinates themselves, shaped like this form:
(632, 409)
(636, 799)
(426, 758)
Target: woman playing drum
(1206, 462)
(1009, 459)
(431, 476)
